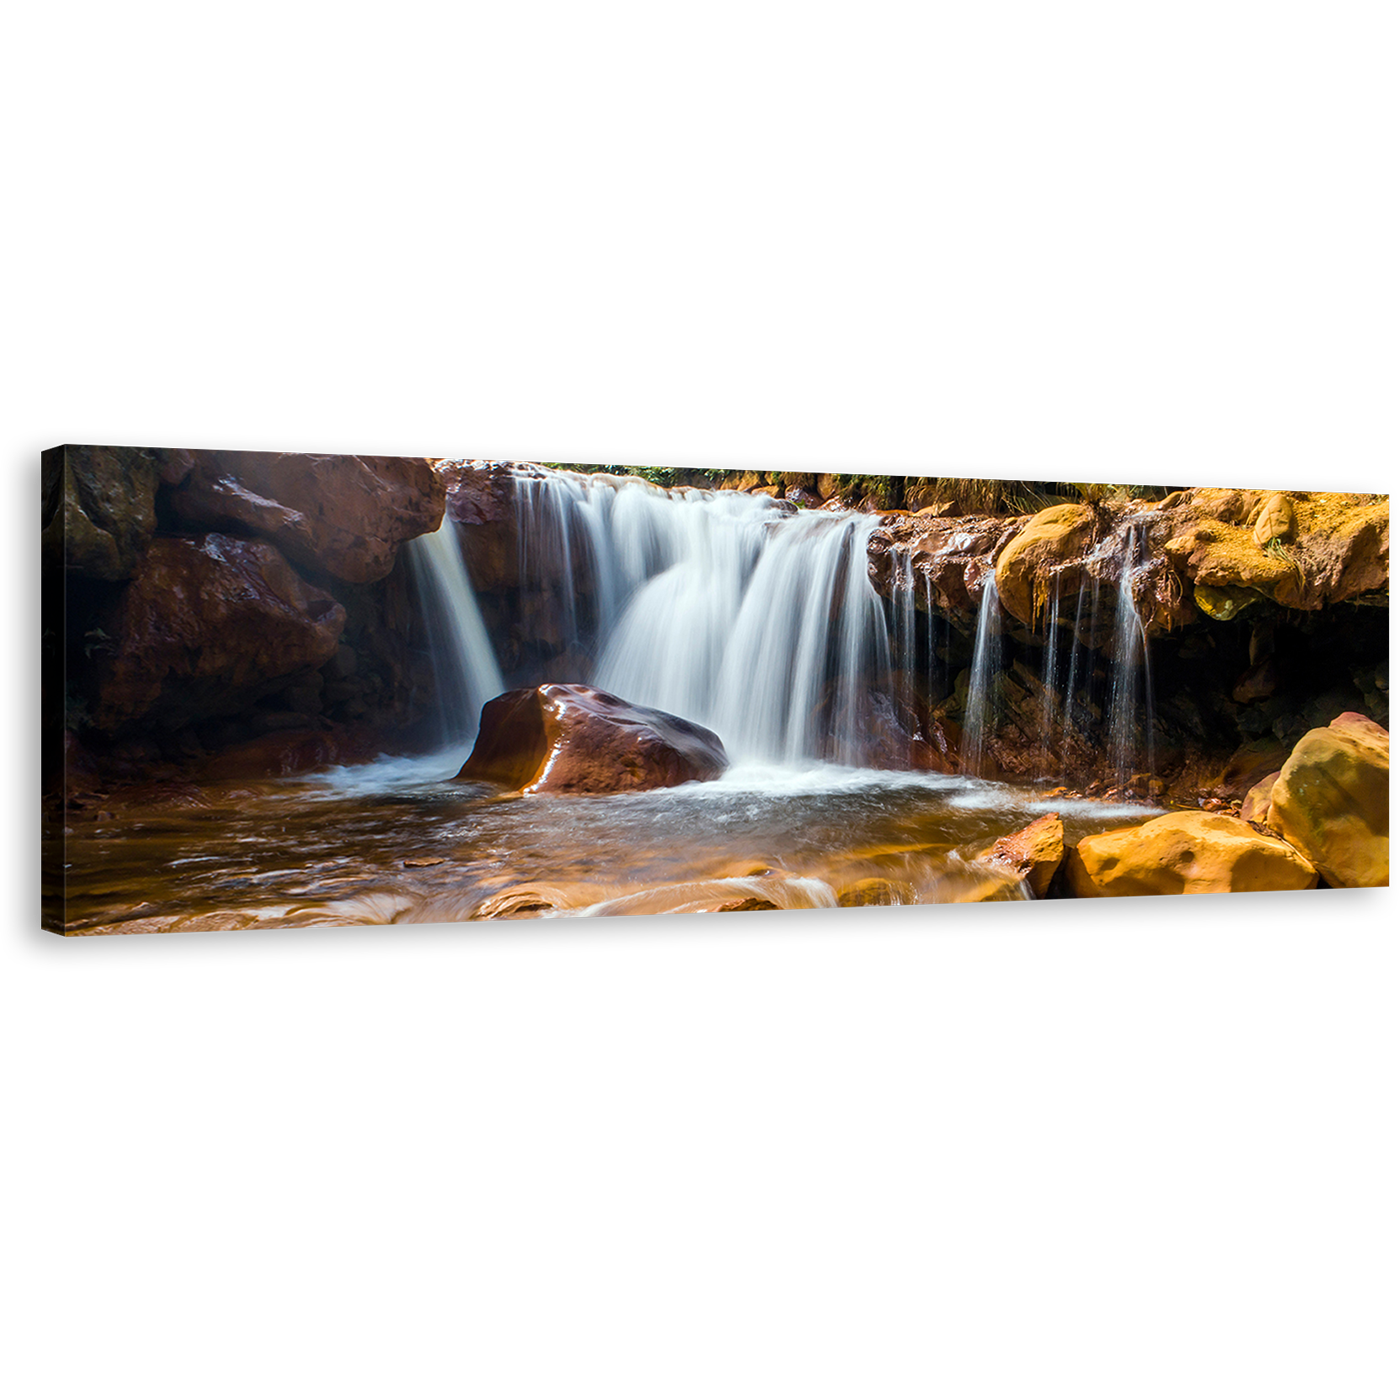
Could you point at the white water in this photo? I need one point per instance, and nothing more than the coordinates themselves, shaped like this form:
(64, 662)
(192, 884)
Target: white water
(979, 711)
(463, 658)
(730, 610)
(1130, 696)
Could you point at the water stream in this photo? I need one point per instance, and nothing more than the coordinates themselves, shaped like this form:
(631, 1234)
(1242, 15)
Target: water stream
(732, 610)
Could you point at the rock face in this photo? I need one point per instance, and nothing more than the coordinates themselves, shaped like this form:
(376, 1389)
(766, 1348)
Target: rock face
(343, 516)
(1032, 854)
(99, 508)
(1186, 853)
(1043, 560)
(571, 738)
(205, 627)
(1332, 801)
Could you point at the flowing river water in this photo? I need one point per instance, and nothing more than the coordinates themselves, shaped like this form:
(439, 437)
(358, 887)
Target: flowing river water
(398, 842)
(723, 608)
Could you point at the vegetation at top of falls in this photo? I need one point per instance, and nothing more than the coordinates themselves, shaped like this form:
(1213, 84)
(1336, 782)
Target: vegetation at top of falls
(658, 476)
(960, 495)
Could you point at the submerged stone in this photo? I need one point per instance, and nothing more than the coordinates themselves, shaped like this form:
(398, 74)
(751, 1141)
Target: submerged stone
(572, 738)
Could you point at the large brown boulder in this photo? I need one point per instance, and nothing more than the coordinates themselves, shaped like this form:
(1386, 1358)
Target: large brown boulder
(207, 626)
(343, 516)
(572, 738)
(1185, 853)
(1332, 801)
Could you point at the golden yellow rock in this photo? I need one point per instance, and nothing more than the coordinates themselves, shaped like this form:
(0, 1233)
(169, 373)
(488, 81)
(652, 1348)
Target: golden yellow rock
(1276, 520)
(877, 890)
(1255, 807)
(1222, 604)
(1186, 853)
(1332, 801)
(1049, 541)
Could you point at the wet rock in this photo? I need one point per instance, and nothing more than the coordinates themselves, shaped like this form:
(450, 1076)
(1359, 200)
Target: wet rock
(531, 900)
(572, 738)
(205, 628)
(283, 753)
(1032, 854)
(1185, 853)
(1332, 801)
(343, 516)
(99, 509)
(876, 890)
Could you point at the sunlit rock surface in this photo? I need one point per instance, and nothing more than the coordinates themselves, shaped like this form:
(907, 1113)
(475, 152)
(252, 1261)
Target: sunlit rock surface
(1186, 853)
(572, 738)
(1332, 801)
(1032, 854)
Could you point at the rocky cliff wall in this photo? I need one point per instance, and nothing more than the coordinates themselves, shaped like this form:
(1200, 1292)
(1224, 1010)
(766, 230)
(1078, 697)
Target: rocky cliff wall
(199, 601)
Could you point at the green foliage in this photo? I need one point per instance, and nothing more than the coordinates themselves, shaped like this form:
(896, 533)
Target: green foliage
(658, 476)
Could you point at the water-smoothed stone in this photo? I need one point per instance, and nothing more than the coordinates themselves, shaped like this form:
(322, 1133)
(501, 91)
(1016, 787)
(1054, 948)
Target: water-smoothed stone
(574, 739)
(207, 626)
(1276, 521)
(1255, 807)
(1043, 561)
(1032, 854)
(876, 890)
(343, 516)
(1332, 801)
(1186, 853)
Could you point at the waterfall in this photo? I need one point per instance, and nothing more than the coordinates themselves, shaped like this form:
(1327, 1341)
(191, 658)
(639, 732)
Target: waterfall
(732, 610)
(979, 711)
(1130, 694)
(1050, 686)
(463, 660)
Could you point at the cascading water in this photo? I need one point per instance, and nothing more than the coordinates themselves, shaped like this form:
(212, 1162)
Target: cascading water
(1050, 685)
(978, 711)
(728, 609)
(1130, 695)
(463, 659)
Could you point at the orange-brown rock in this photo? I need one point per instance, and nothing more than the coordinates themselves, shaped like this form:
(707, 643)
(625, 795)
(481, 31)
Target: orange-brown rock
(207, 626)
(1332, 801)
(343, 516)
(1255, 807)
(1185, 853)
(1032, 854)
(572, 738)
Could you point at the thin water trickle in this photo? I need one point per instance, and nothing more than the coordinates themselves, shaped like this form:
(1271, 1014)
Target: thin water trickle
(1130, 693)
(980, 709)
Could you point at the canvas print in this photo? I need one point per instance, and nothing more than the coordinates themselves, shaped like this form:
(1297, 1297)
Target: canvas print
(284, 690)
